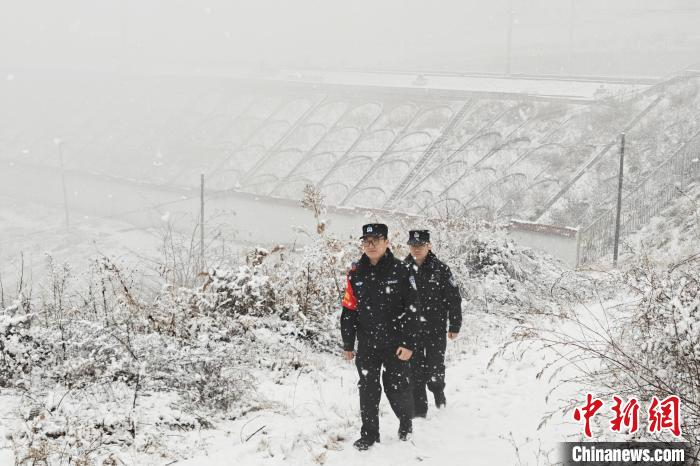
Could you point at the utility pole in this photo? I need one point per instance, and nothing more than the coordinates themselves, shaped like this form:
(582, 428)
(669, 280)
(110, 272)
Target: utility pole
(572, 15)
(509, 36)
(619, 198)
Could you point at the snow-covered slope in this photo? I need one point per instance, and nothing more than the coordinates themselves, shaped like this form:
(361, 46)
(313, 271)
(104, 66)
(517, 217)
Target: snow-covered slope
(671, 236)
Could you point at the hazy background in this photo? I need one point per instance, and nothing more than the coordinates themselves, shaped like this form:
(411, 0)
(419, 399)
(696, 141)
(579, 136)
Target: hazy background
(621, 37)
(139, 90)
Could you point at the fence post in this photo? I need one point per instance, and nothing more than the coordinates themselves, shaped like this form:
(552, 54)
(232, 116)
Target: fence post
(201, 222)
(578, 248)
(59, 143)
(619, 198)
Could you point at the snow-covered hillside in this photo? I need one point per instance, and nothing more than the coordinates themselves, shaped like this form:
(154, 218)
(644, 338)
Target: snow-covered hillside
(671, 236)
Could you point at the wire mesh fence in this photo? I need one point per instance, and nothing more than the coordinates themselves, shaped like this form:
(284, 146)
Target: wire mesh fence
(665, 183)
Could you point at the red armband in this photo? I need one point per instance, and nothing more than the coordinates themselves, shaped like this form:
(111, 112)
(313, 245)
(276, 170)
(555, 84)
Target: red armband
(349, 299)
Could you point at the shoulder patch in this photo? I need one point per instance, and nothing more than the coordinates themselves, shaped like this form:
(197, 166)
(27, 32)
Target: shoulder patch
(452, 280)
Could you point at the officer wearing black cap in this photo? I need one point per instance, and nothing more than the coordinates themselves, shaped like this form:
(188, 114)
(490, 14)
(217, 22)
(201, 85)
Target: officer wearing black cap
(380, 311)
(440, 303)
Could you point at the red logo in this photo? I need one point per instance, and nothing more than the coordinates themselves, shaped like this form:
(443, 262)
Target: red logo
(592, 406)
(667, 417)
(627, 416)
(662, 415)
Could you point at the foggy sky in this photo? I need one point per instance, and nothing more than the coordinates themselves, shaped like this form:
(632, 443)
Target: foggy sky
(641, 37)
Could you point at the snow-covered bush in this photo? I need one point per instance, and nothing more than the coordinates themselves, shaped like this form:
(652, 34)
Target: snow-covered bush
(662, 337)
(645, 347)
(490, 257)
(20, 352)
(94, 344)
(181, 262)
(243, 291)
(310, 287)
(294, 294)
(95, 426)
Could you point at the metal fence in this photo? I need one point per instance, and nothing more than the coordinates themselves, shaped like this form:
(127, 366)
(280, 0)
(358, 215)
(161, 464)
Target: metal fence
(666, 182)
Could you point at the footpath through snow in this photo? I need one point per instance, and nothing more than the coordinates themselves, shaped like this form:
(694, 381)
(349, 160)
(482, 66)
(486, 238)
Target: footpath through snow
(492, 416)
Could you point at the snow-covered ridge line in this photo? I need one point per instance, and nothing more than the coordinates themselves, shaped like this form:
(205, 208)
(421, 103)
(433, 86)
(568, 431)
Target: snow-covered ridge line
(549, 87)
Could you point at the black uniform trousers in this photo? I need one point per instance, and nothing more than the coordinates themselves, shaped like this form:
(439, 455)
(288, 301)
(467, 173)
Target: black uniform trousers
(428, 369)
(396, 378)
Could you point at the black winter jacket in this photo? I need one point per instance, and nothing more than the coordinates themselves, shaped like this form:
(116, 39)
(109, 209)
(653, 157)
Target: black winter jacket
(438, 295)
(380, 305)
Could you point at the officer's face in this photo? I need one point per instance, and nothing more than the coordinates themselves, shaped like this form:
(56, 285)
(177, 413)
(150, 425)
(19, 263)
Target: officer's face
(374, 246)
(419, 251)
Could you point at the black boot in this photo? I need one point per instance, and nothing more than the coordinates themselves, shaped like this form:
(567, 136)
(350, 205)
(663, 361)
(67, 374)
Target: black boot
(363, 443)
(405, 429)
(440, 400)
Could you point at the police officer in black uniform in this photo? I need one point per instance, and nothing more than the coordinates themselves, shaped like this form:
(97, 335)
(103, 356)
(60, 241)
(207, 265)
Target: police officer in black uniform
(440, 302)
(380, 310)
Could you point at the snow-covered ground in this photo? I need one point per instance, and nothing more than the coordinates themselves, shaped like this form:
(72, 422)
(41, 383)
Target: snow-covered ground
(8, 418)
(313, 417)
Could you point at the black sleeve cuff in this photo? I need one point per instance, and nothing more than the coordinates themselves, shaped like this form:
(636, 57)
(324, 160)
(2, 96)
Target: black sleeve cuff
(453, 329)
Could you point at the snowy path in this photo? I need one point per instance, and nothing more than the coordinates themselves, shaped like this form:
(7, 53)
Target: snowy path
(315, 417)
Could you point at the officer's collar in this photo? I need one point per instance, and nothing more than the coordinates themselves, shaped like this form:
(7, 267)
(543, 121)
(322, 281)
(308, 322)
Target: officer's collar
(385, 259)
(428, 262)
